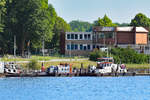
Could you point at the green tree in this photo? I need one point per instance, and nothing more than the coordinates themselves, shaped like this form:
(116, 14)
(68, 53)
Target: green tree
(105, 21)
(2, 13)
(140, 20)
(80, 26)
(59, 26)
(122, 24)
(29, 20)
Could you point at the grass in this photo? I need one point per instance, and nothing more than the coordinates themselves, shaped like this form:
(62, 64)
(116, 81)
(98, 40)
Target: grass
(138, 66)
(75, 63)
(39, 58)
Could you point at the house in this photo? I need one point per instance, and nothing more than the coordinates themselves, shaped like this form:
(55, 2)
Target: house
(81, 43)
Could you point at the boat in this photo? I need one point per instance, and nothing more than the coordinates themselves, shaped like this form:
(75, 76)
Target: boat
(107, 65)
(62, 68)
(11, 68)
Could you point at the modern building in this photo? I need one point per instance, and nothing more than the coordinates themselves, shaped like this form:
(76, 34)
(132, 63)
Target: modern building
(81, 43)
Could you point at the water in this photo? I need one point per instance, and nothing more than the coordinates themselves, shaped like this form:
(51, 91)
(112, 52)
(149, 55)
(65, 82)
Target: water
(75, 88)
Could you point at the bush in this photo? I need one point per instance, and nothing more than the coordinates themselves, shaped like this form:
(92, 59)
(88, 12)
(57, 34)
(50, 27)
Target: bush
(122, 55)
(128, 56)
(33, 64)
(96, 54)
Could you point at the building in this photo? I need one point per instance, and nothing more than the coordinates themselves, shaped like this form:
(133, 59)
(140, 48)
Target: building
(76, 43)
(81, 43)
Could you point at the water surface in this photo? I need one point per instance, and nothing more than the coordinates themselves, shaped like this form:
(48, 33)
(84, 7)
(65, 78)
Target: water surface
(75, 88)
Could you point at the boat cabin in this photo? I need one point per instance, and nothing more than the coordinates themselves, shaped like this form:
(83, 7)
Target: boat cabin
(105, 59)
(63, 68)
(104, 62)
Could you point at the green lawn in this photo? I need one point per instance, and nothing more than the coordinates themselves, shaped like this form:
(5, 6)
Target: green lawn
(138, 66)
(75, 63)
(39, 58)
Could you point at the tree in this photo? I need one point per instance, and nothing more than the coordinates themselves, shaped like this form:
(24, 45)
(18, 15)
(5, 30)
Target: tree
(2, 13)
(80, 26)
(29, 20)
(60, 24)
(122, 24)
(140, 20)
(105, 21)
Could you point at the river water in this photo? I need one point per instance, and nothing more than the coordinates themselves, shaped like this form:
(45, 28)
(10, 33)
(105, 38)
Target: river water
(75, 88)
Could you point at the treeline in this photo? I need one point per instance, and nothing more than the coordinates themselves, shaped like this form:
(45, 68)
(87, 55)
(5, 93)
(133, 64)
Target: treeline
(139, 20)
(31, 22)
(121, 55)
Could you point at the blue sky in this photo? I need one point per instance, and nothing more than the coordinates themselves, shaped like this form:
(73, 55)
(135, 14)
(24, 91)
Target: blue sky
(89, 10)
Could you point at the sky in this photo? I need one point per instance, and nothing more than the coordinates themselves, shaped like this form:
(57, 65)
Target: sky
(121, 11)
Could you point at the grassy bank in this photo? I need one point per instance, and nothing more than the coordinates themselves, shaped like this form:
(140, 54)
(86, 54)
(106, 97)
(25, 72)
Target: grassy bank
(86, 63)
(75, 63)
(39, 58)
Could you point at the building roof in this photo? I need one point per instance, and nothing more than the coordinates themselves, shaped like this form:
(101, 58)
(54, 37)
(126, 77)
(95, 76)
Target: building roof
(120, 29)
(141, 29)
(125, 29)
(78, 32)
(104, 29)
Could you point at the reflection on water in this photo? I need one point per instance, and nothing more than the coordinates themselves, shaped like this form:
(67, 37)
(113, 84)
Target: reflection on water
(75, 88)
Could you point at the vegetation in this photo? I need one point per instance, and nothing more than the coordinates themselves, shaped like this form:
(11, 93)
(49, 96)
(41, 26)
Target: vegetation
(80, 26)
(128, 56)
(122, 24)
(33, 65)
(140, 20)
(96, 54)
(122, 55)
(31, 21)
(105, 21)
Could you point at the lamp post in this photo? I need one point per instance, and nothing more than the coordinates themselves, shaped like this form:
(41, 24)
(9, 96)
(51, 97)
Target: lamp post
(14, 45)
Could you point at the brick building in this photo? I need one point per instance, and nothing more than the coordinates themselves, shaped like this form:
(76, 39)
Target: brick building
(81, 43)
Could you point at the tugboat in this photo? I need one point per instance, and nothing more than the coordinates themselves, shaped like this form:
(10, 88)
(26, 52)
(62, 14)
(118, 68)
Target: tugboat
(106, 65)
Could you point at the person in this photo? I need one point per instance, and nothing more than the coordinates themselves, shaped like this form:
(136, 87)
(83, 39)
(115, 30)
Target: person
(43, 68)
(123, 66)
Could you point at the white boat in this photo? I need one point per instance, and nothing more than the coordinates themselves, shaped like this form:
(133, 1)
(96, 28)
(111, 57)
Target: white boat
(106, 65)
(11, 68)
(60, 69)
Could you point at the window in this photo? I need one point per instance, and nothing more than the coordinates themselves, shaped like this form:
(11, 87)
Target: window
(81, 36)
(89, 36)
(72, 46)
(68, 47)
(85, 36)
(76, 47)
(89, 47)
(76, 36)
(68, 36)
(93, 46)
(101, 35)
(72, 36)
(85, 47)
(81, 47)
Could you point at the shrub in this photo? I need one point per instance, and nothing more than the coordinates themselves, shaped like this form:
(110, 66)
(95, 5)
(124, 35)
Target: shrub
(33, 64)
(128, 55)
(96, 54)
